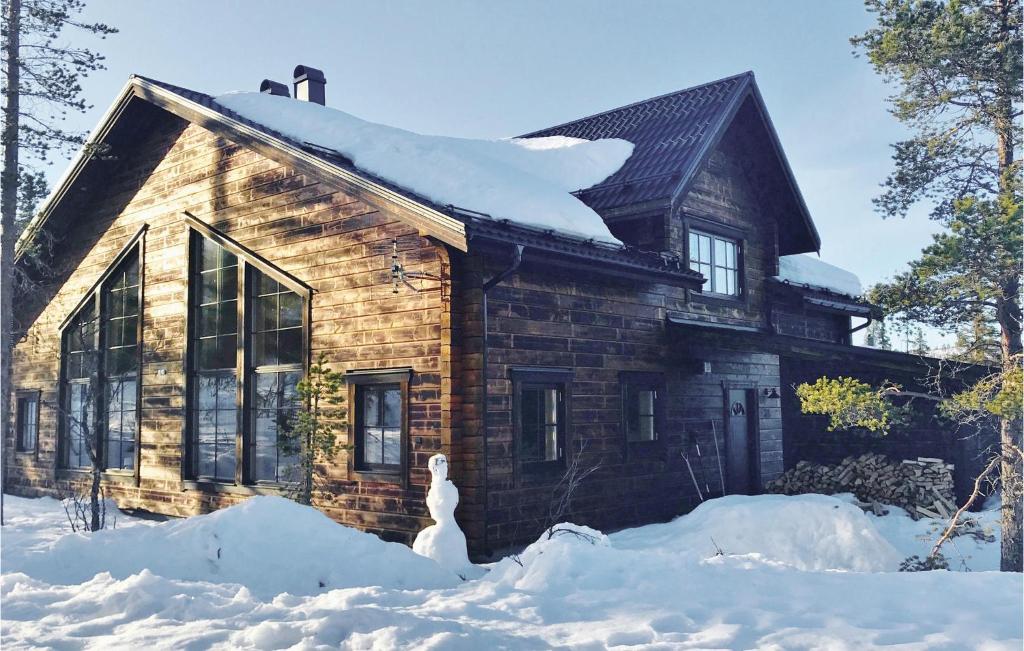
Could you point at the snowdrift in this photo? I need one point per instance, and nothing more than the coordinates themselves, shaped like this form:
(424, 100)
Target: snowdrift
(268, 544)
(525, 180)
(806, 532)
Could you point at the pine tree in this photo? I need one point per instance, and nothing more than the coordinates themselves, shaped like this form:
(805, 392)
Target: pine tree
(42, 84)
(920, 344)
(958, 68)
(312, 434)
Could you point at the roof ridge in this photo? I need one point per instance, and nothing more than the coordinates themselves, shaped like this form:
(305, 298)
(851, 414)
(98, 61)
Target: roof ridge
(746, 73)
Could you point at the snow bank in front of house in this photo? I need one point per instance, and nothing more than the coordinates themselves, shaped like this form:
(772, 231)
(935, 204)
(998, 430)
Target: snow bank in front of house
(525, 180)
(576, 589)
(805, 270)
(806, 532)
(270, 545)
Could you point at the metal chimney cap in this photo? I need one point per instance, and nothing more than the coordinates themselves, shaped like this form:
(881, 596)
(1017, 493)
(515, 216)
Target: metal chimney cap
(272, 87)
(304, 73)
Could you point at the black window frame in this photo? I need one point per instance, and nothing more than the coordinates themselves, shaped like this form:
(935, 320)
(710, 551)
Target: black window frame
(26, 408)
(250, 267)
(631, 382)
(95, 302)
(542, 378)
(714, 264)
(359, 381)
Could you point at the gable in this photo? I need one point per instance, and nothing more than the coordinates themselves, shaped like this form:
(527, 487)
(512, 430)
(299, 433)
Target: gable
(674, 135)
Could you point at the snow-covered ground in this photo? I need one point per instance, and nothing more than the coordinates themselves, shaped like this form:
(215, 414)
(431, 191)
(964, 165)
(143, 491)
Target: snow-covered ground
(803, 572)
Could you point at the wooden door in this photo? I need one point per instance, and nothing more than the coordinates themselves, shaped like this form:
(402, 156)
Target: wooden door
(740, 442)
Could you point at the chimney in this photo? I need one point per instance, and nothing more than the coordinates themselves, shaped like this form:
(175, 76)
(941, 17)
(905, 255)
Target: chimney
(271, 87)
(309, 84)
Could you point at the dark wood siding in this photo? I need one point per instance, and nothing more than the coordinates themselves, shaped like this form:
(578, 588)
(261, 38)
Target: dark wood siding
(330, 240)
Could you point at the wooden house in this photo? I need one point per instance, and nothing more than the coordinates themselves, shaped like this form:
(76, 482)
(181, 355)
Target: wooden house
(216, 256)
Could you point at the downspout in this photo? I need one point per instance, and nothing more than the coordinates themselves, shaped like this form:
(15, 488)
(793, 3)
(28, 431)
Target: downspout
(517, 259)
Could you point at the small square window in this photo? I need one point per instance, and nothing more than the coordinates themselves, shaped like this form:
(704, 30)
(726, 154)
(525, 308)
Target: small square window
(27, 422)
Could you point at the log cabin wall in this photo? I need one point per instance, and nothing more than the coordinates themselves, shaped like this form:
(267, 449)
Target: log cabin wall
(597, 328)
(328, 239)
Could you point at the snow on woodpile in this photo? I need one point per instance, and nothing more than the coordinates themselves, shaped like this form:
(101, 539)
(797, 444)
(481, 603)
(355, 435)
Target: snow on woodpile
(806, 532)
(268, 544)
(528, 181)
(806, 270)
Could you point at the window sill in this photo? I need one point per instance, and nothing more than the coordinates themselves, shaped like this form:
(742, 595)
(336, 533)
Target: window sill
(381, 476)
(116, 476)
(215, 487)
(724, 299)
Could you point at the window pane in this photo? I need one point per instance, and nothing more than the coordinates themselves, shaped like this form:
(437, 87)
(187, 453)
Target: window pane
(291, 310)
(392, 446)
(289, 346)
(373, 445)
(694, 247)
(721, 284)
(720, 256)
(371, 407)
(551, 443)
(705, 248)
(531, 405)
(393, 407)
(730, 250)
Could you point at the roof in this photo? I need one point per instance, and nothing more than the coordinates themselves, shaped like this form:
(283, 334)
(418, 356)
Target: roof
(673, 135)
(446, 223)
(201, 109)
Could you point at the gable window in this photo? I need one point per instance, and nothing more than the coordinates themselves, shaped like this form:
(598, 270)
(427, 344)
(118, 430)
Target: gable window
(100, 371)
(541, 415)
(379, 421)
(717, 259)
(642, 394)
(248, 353)
(27, 421)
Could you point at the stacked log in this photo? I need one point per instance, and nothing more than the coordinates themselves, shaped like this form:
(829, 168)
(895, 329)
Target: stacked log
(922, 486)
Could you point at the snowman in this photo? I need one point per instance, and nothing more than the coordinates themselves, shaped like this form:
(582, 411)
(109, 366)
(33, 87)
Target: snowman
(444, 542)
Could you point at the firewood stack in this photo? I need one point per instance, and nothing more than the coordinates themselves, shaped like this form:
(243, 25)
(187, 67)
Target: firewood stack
(924, 487)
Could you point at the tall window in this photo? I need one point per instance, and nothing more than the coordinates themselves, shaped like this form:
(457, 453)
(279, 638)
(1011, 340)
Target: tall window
(716, 258)
(248, 335)
(27, 421)
(277, 369)
(100, 373)
(215, 361)
(541, 415)
(120, 299)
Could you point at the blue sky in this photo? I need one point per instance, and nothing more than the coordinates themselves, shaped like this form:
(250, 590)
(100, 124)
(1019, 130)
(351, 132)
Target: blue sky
(488, 69)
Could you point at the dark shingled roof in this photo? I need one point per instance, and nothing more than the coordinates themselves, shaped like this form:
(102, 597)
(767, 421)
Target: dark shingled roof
(672, 135)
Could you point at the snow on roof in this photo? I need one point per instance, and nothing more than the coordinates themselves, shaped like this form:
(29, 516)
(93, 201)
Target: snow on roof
(526, 180)
(805, 270)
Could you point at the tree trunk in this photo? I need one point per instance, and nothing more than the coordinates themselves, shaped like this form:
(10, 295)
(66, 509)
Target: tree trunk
(94, 499)
(1010, 434)
(8, 211)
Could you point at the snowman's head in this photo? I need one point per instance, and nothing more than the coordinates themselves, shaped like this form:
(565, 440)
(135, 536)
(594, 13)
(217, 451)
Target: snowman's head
(438, 466)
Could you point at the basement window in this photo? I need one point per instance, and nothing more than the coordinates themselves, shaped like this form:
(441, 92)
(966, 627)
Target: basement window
(717, 259)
